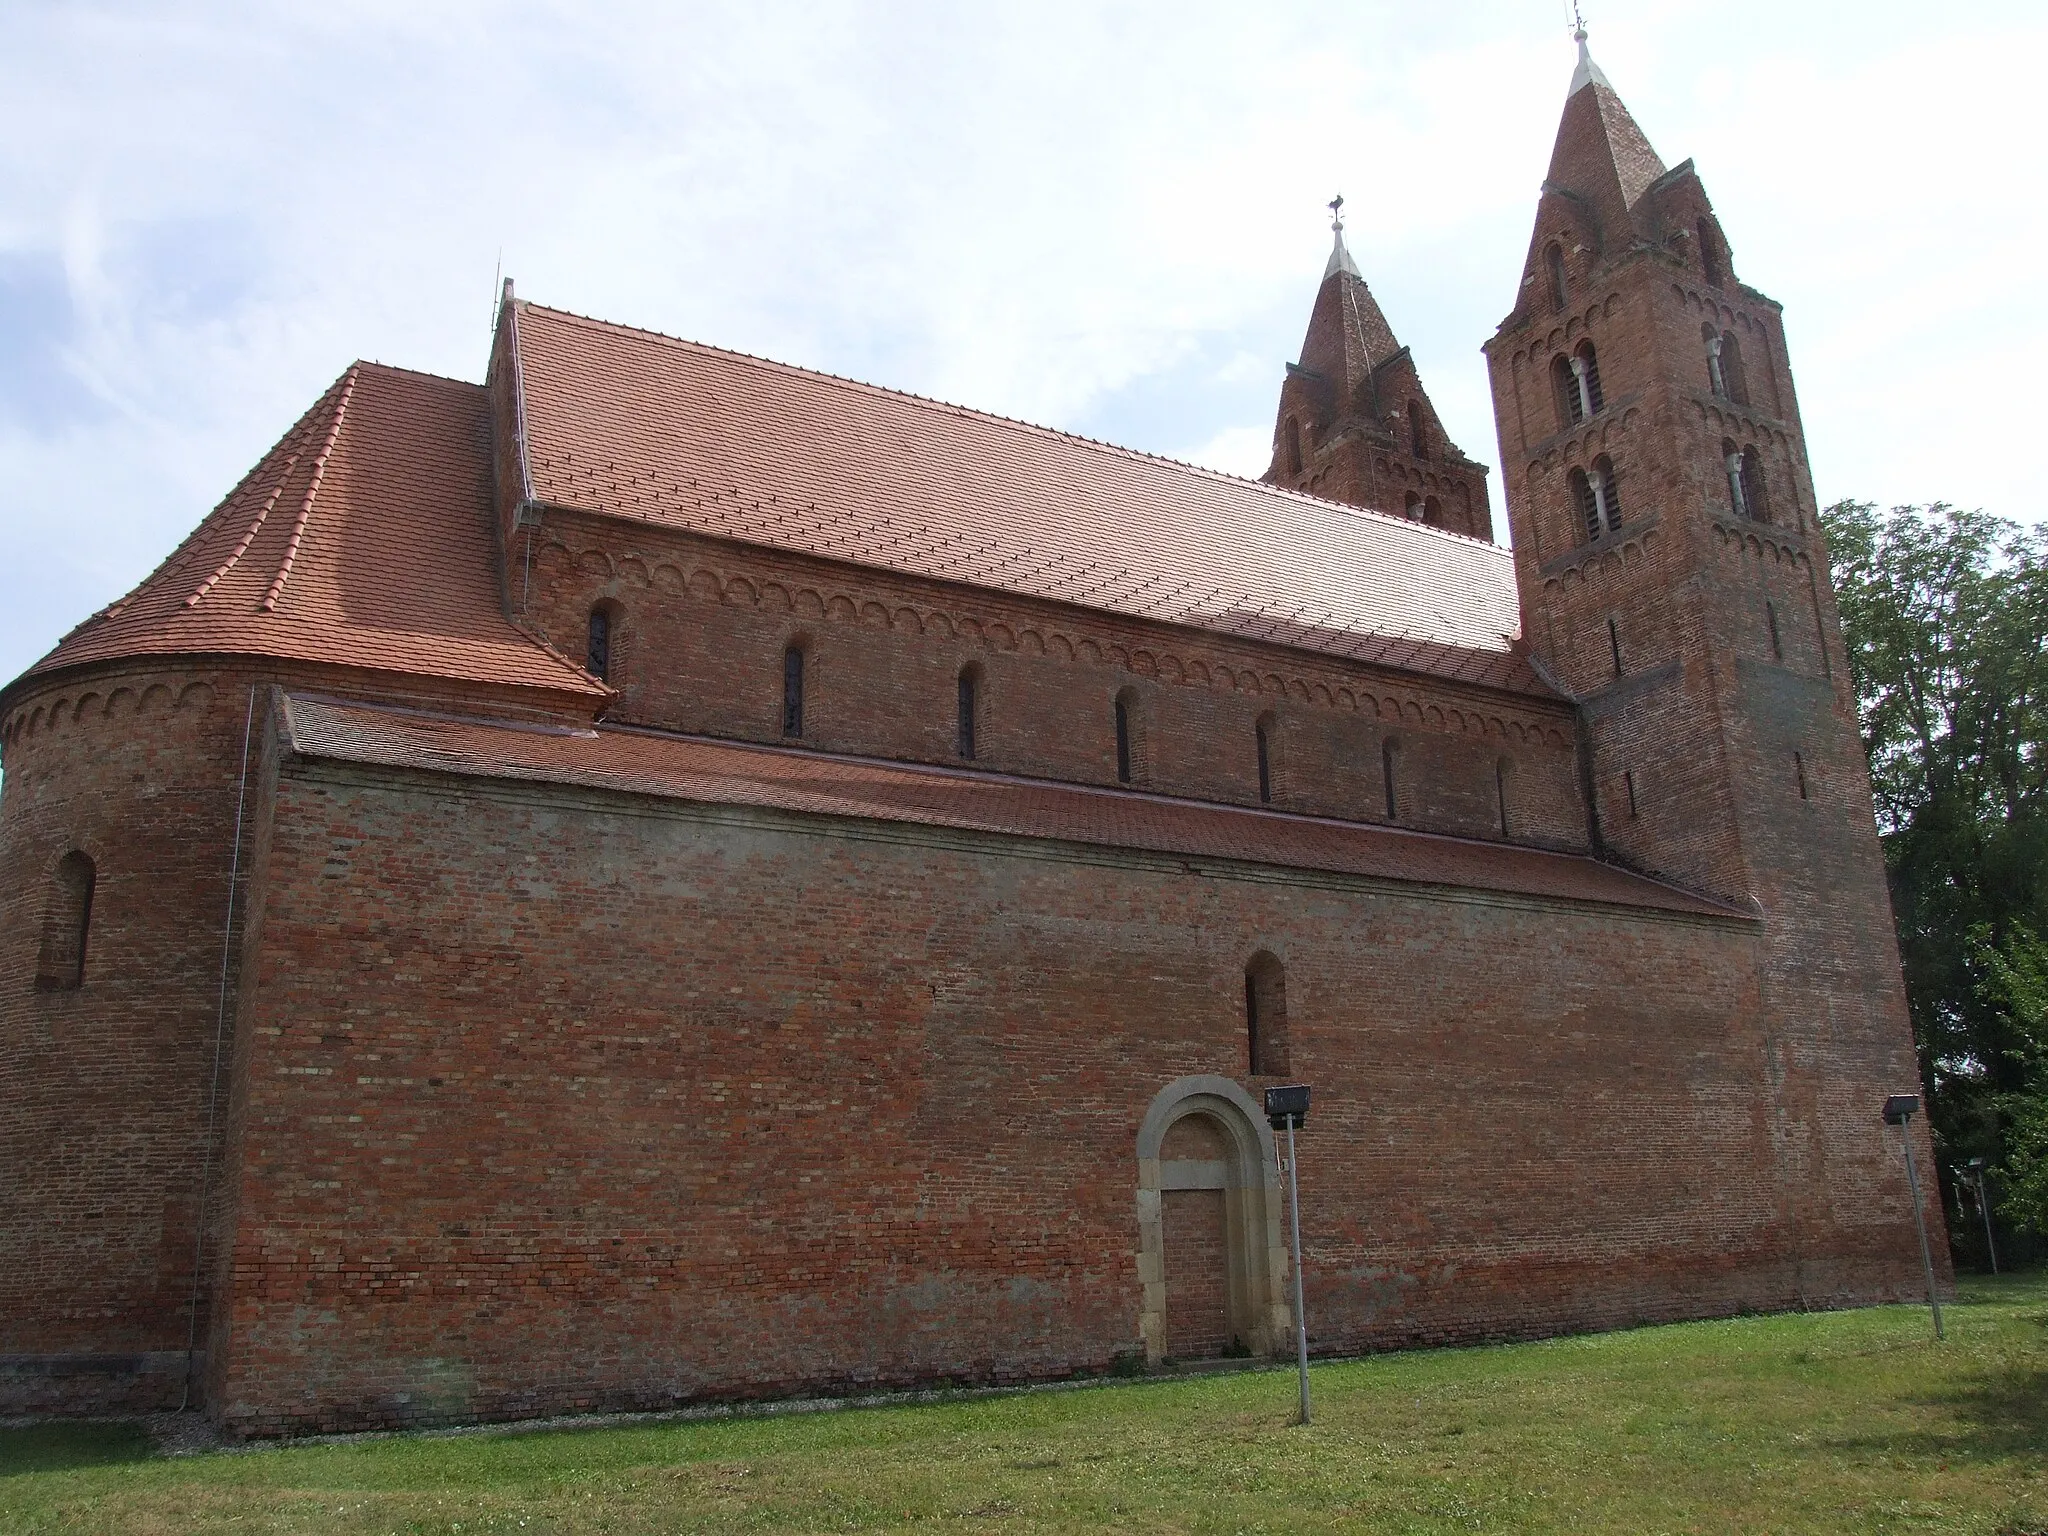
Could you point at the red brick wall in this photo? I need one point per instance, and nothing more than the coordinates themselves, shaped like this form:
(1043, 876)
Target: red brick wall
(104, 1088)
(702, 626)
(554, 1100)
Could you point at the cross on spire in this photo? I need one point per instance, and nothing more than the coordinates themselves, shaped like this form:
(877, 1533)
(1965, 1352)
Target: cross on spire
(1337, 214)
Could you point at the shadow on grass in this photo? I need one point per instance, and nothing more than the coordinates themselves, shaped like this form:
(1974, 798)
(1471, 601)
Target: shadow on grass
(1997, 1417)
(60, 1447)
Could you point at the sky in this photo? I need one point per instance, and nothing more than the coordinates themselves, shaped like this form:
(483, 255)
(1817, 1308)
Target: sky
(1107, 218)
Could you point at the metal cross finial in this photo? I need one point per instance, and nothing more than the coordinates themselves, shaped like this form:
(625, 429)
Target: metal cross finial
(1337, 213)
(1578, 24)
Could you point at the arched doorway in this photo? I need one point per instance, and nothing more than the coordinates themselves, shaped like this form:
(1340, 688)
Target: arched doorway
(1209, 1246)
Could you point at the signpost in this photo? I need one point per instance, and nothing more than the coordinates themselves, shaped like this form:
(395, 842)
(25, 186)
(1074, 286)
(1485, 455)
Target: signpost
(1899, 1110)
(1984, 1209)
(1287, 1109)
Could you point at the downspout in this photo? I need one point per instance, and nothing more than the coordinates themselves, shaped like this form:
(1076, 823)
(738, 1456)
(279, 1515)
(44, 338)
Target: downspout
(220, 1024)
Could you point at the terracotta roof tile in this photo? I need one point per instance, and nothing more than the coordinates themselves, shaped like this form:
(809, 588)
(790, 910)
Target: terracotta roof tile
(719, 772)
(634, 424)
(363, 539)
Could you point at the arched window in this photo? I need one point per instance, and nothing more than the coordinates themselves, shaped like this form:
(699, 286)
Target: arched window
(1586, 369)
(597, 643)
(793, 691)
(1433, 512)
(1390, 763)
(1290, 445)
(1125, 704)
(970, 690)
(1263, 732)
(1710, 252)
(1553, 263)
(1602, 502)
(1265, 1016)
(1755, 497)
(1717, 378)
(1418, 440)
(1731, 461)
(66, 922)
(1570, 408)
(1500, 793)
(1412, 506)
(1735, 382)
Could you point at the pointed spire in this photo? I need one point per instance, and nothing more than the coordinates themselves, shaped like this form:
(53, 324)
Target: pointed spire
(1347, 334)
(1600, 154)
(1588, 73)
(1340, 258)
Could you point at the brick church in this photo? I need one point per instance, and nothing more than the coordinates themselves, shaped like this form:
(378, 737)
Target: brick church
(666, 876)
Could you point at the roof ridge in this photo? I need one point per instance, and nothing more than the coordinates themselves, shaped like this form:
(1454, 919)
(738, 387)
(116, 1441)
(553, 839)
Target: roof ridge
(291, 551)
(1015, 423)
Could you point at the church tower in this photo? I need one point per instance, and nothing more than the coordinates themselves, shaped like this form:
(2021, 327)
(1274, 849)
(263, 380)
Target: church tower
(1674, 582)
(1355, 424)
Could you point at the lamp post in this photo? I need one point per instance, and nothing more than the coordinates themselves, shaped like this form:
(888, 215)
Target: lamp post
(1984, 1209)
(1899, 1110)
(1287, 1109)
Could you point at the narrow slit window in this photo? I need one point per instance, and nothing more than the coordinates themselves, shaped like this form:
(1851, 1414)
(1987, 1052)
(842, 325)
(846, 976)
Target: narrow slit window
(1799, 770)
(1290, 445)
(1553, 260)
(1710, 253)
(1500, 793)
(597, 648)
(1777, 642)
(1265, 764)
(1614, 644)
(1265, 1016)
(793, 691)
(1390, 757)
(67, 923)
(1418, 439)
(1123, 741)
(969, 688)
(1629, 779)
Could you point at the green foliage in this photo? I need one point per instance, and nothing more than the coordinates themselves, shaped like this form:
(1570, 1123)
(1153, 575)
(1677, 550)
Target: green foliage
(1945, 615)
(1850, 1422)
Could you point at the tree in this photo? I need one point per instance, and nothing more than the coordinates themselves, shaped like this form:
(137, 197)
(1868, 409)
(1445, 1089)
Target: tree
(1945, 615)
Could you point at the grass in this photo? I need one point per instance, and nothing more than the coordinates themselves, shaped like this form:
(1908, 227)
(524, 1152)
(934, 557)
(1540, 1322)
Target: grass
(1849, 1421)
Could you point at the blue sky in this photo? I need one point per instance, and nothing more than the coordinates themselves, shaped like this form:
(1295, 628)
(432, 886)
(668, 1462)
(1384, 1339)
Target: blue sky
(1104, 217)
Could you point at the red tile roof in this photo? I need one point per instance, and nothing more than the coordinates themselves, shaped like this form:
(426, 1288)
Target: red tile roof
(717, 772)
(634, 424)
(363, 539)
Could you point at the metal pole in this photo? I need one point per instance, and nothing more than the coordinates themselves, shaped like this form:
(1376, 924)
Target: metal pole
(1984, 1210)
(1920, 1221)
(1300, 1317)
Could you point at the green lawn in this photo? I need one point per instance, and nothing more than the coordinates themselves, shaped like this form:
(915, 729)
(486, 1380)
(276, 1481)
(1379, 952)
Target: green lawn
(1853, 1421)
